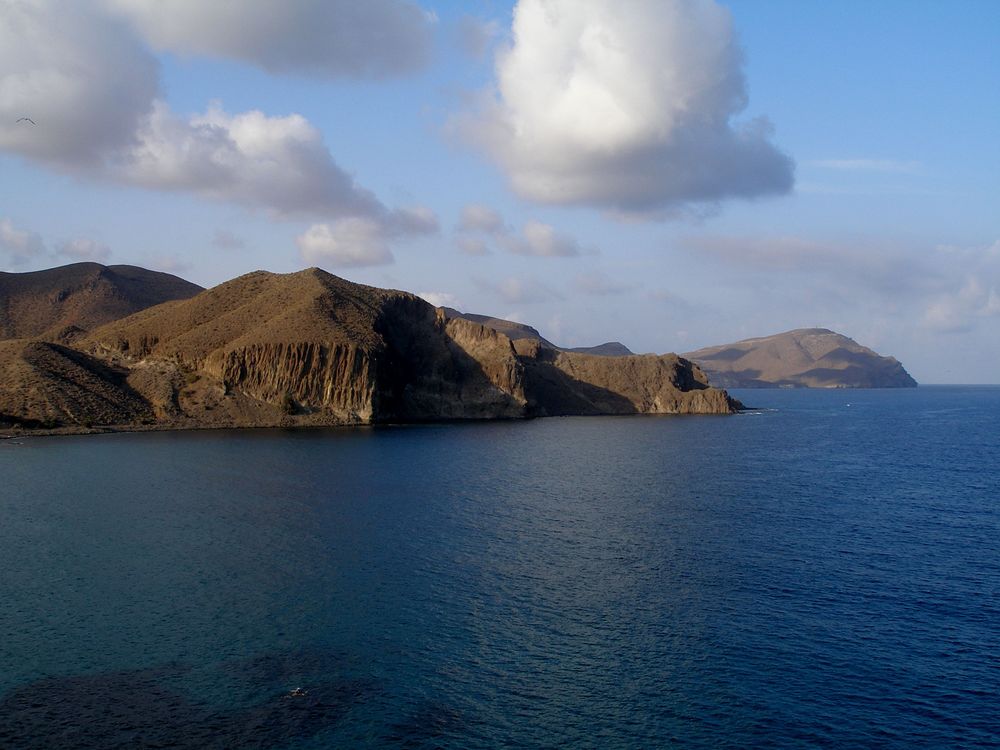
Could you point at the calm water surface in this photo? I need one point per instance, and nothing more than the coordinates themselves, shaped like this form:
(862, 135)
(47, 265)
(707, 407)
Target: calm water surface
(822, 572)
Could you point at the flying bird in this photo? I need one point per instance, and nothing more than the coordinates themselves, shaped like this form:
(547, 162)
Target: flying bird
(26, 119)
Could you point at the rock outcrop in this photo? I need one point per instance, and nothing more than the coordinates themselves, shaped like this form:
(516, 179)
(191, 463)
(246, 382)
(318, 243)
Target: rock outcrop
(563, 383)
(804, 358)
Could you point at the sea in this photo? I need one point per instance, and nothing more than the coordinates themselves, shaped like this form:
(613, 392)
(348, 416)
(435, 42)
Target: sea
(822, 570)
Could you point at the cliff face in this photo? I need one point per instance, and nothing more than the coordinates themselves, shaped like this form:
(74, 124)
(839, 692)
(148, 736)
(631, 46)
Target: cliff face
(312, 349)
(563, 383)
(804, 358)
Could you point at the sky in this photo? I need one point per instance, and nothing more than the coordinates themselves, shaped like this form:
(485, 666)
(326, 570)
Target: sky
(670, 174)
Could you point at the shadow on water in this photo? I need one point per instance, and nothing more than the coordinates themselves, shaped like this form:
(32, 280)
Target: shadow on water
(146, 708)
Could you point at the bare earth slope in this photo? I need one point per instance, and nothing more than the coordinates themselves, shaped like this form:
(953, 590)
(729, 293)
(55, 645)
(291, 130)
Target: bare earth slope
(58, 303)
(803, 358)
(310, 348)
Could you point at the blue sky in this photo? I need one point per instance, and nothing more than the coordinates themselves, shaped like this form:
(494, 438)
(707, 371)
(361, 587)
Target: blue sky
(522, 159)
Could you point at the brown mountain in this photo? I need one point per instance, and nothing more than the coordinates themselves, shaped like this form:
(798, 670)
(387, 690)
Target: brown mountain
(803, 358)
(609, 349)
(519, 331)
(58, 303)
(311, 348)
(512, 330)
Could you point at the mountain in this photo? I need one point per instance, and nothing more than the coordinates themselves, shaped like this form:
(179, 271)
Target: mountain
(310, 348)
(520, 331)
(803, 358)
(510, 329)
(59, 303)
(609, 349)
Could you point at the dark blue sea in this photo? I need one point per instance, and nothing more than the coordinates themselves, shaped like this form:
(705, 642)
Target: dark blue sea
(823, 571)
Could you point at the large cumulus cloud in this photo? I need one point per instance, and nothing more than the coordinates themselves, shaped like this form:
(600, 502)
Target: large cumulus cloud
(84, 80)
(628, 107)
(93, 93)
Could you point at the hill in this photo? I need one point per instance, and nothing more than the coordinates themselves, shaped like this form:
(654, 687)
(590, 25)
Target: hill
(609, 349)
(310, 348)
(509, 328)
(520, 331)
(803, 358)
(59, 303)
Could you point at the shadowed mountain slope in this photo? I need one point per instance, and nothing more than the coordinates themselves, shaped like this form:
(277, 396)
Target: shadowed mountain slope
(59, 303)
(803, 358)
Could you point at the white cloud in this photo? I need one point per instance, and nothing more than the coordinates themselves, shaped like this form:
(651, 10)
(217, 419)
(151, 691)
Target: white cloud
(85, 82)
(277, 163)
(348, 243)
(326, 38)
(957, 312)
(542, 241)
(474, 246)
(869, 264)
(536, 239)
(973, 297)
(19, 245)
(440, 299)
(517, 291)
(479, 218)
(82, 249)
(625, 107)
(93, 92)
(413, 220)
(358, 241)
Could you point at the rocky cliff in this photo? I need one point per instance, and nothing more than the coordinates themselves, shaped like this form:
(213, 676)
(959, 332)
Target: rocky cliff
(803, 358)
(562, 383)
(312, 349)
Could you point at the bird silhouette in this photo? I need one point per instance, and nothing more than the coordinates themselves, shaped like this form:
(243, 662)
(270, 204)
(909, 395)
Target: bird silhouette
(26, 119)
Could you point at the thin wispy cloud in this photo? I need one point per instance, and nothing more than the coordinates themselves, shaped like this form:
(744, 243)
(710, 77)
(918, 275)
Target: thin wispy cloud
(83, 249)
(516, 290)
(440, 299)
(887, 166)
(480, 226)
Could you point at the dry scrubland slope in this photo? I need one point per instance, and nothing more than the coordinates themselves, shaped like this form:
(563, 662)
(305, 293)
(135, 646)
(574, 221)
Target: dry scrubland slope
(59, 303)
(312, 348)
